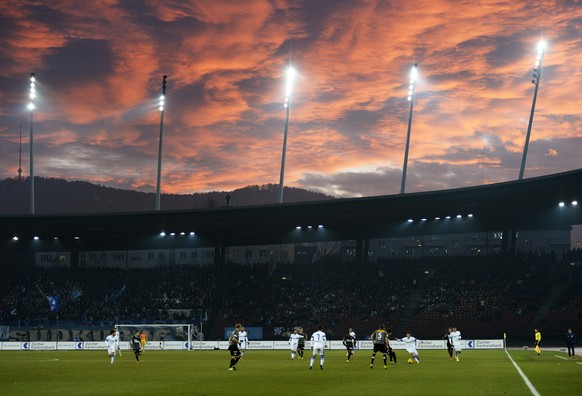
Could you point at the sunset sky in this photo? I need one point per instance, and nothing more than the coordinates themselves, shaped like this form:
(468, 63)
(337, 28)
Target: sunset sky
(99, 66)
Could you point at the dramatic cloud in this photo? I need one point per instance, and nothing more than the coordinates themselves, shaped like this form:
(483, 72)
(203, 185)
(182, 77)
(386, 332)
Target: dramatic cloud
(99, 67)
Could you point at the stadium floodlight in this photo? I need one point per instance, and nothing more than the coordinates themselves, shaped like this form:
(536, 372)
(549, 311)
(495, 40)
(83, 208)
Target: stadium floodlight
(172, 234)
(561, 204)
(31, 108)
(447, 217)
(288, 89)
(320, 226)
(574, 203)
(470, 215)
(298, 227)
(411, 86)
(459, 216)
(163, 234)
(162, 104)
(410, 220)
(423, 219)
(192, 233)
(537, 75)
(36, 238)
(437, 218)
(14, 238)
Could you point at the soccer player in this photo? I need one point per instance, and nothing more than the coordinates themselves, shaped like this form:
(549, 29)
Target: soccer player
(410, 345)
(318, 340)
(243, 341)
(301, 345)
(235, 354)
(136, 345)
(391, 352)
(110, 342)
(117, 348)
(571, 342)
(353, 334)
(447, 337)
(143, 338)
(349, 341)
(294, 342)
(455, 338)
(380, 340)
(537, 340)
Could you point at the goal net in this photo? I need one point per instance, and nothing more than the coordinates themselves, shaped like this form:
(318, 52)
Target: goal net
(160, 336)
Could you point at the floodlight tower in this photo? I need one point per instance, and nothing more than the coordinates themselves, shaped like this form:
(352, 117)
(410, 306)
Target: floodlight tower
(162, 104)
(31, 107)
(287, 105)
(537, 74)
(411, 86)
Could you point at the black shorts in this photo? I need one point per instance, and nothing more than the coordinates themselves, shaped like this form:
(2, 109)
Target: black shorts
(234, 351)
(350, 348)
(302, 347)
(380, 348)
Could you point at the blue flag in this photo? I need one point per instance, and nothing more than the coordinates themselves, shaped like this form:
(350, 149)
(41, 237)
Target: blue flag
(53, 302)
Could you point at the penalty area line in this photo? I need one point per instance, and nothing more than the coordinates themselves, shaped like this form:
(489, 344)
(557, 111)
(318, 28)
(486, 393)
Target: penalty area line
(532, 389)
(560, 357)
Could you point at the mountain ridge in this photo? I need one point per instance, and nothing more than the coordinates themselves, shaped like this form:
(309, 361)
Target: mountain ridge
(60, 196)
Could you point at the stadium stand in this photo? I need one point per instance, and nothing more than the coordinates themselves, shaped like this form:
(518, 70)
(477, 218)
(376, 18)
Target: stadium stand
(483, 296)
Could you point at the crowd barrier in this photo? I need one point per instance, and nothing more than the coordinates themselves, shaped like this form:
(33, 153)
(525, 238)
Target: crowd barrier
(216, 345)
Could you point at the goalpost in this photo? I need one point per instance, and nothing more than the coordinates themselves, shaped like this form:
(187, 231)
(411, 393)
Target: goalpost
(158, 334)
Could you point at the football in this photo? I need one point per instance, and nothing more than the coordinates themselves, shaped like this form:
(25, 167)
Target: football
(409, 361)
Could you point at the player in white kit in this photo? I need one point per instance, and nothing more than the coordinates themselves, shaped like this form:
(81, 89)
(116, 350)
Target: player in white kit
(410, 345)
(318, 340)
(111, 345)
(117, 336)
(455, 337)
(294, 342)
(243, 340)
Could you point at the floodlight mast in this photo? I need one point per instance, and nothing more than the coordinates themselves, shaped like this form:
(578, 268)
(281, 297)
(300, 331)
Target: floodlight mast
(162, 104)
(537, 75)
(32, 96)
(411, 86)
(287, 105)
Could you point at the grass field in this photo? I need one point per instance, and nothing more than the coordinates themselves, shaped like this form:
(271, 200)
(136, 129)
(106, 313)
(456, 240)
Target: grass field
(273, 373)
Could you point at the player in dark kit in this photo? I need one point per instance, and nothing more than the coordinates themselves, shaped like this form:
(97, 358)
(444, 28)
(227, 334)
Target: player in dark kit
(136, 345)
(449, 345)
(349, 342)
(301, 345)
(380, 340)
(235, 354)
(391, 353)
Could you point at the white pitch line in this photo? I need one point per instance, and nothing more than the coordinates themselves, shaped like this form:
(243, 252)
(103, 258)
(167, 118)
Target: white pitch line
(578, 363)
(560, 357)
(532, 389)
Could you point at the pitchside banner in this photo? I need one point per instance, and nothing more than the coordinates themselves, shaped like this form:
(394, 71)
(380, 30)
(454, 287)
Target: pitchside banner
(211, 345)
(43, 346)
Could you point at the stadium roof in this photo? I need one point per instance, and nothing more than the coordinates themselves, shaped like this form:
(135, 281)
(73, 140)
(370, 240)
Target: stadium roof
(517, 205)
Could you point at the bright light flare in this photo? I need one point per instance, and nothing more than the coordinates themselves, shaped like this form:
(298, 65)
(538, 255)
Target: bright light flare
(289, 85)
(541, 47)
(413, 77)
(162, 103)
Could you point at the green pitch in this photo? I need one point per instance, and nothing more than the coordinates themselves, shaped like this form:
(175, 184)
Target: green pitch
(273, 373)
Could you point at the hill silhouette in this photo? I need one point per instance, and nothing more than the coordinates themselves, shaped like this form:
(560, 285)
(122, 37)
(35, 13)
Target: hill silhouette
(59, 196)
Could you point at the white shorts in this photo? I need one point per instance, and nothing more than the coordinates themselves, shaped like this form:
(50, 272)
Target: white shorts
(242, 345)
(318, 349)
(412, 351)
(111, 350)
(294, 346)
(457, 347)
